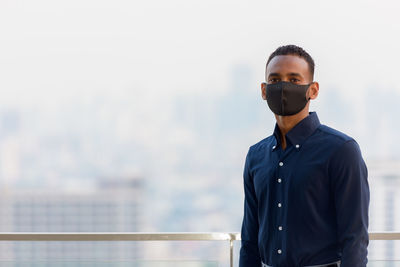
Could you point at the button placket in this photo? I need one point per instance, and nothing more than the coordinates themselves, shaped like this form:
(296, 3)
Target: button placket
(283, 160)
(280, 194)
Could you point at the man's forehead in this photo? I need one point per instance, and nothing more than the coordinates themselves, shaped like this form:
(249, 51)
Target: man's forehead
(287, 64)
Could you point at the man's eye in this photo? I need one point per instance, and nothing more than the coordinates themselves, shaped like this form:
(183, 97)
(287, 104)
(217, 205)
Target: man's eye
(294, 80)
(273, 80)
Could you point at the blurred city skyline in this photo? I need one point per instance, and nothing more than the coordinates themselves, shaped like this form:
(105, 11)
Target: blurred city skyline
(169, 92)
(201, 143)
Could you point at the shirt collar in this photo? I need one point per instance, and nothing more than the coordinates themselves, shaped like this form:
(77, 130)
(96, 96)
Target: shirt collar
(299, 133)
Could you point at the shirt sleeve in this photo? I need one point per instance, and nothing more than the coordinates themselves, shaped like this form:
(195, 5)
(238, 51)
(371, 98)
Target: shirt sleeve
(351, 195)
(249, 253)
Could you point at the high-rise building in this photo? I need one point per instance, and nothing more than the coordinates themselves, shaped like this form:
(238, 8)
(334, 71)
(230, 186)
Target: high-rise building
(113, 206)
(384, 215)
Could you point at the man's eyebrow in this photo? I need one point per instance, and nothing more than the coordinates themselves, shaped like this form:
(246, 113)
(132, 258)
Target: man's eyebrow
(273, 74)
(295, 74)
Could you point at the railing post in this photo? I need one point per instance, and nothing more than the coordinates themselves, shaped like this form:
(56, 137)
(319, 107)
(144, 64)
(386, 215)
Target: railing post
(231, 250)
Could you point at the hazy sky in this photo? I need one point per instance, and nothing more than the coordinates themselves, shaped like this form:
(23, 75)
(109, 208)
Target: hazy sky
(101, 82)
(54, 52)
(59, 48)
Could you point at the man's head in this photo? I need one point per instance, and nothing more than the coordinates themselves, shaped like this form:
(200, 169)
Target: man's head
(294, 50)
(290, 64)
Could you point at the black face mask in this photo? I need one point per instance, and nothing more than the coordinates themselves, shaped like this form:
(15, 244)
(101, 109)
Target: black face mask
(286, 98)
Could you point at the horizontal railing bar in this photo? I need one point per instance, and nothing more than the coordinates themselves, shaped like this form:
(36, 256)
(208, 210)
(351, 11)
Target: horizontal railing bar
(116, 236)
(384, 235)
(142, 236)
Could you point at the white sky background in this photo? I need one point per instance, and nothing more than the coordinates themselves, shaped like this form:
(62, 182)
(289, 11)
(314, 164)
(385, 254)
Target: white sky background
(54, 52)
(168, 46)
(131, 60)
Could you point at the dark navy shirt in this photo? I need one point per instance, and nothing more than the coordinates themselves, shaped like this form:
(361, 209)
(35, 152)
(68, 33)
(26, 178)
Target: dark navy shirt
(307, 204)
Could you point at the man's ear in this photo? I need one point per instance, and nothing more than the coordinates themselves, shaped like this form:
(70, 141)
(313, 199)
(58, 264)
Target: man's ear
(313, 90)
(264, 90)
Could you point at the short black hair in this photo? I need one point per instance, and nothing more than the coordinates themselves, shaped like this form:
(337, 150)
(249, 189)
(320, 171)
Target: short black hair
(293, 50)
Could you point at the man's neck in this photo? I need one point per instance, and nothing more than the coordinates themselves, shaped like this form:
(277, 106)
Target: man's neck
(286, 123)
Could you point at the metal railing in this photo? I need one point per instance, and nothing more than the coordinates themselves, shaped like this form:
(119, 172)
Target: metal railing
(140, 236)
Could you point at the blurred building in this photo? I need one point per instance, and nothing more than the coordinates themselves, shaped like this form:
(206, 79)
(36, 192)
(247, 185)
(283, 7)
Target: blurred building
(114, 206)
(384, 215)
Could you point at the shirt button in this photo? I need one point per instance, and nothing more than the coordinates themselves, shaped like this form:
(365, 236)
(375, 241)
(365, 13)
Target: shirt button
(279, 251)
(273, 147)
(297, 146)
(279, 205)
(279, 180)
(280, 228)
(281, 163)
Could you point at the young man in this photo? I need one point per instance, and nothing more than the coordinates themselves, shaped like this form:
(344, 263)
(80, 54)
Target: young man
(306, 188)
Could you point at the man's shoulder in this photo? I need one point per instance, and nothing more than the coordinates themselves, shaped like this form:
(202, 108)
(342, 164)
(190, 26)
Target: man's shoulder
(344, 149)
(338, 142)
(263, 144)
(333, 135)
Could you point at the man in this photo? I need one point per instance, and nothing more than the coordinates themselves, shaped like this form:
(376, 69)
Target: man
(306, 188)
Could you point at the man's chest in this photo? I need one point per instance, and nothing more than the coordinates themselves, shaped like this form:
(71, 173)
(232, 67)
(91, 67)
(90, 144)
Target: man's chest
(294, 171)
